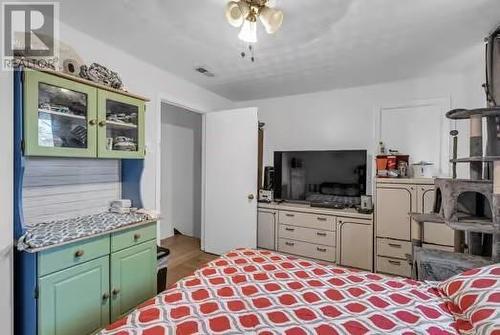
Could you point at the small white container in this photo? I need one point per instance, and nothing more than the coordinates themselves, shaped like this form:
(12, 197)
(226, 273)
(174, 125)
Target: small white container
(422, 170)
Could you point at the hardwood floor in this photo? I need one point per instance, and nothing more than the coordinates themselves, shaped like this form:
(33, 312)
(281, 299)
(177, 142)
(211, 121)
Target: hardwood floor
(185, 257)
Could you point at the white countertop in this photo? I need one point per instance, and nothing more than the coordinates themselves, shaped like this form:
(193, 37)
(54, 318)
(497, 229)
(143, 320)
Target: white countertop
(413, 181)
(287, 206)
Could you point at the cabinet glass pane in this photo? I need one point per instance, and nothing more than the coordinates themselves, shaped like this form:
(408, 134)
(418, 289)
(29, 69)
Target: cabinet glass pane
(62, 117)
(122, 130)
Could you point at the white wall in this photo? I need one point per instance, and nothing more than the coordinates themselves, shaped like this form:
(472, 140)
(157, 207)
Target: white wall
(139, 77)
(344, 118)
(181, 137)
(145, 79)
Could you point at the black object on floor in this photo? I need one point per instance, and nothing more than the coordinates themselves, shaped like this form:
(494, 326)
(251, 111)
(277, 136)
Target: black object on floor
(161, 278)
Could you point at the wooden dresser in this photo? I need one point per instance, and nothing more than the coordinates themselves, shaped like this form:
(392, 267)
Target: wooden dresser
(344, 236)
(394, 230)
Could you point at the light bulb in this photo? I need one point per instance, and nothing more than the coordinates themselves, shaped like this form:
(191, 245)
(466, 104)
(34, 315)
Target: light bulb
(271, 19)
(233, 14)
(248, 32)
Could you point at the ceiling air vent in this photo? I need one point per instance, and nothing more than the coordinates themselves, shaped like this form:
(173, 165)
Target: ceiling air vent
(204, 71)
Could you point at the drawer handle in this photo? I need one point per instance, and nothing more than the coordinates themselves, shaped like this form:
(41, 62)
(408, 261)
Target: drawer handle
(137, 236)
(289, 229)
(79, 253)
(394, 245)
(290, 244)
(321, 219)
(290, 215)
(105, 296)
(321, 234)
(321, 249)
(394, 262)
(115, 292)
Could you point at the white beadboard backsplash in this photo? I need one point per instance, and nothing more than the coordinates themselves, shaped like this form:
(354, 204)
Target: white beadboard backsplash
(62, 188)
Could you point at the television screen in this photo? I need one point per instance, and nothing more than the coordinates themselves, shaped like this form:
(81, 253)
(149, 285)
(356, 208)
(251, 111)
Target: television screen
(320, 176)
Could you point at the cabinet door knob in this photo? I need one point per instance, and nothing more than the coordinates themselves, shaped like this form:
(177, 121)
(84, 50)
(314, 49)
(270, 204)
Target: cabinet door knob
(115, 291)
(137, 236)
(92, 122)
(79, 253)
(105, 296)
(251, 196)
(102, 123)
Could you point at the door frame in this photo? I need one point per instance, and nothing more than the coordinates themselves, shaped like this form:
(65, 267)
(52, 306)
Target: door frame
(189, 106)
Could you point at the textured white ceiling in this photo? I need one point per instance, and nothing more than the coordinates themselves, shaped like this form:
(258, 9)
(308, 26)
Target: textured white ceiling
(323, 44)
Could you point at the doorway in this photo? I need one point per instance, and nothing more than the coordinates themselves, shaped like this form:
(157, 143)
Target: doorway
(181, 164)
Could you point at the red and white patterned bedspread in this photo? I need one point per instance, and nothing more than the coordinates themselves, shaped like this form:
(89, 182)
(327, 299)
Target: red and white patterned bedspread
(261, 292)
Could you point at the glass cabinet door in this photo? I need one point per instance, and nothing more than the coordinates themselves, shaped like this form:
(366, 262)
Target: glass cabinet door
(121, 126)
(60, 116)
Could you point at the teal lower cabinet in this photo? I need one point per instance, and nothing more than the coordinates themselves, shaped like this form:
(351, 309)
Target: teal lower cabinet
(133, 277)
(75, 300)
(83, 286)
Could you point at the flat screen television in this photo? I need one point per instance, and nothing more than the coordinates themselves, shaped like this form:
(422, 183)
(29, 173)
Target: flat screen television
(336, 176)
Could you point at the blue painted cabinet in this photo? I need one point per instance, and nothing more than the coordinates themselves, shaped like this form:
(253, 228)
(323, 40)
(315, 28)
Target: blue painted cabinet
(75, 300)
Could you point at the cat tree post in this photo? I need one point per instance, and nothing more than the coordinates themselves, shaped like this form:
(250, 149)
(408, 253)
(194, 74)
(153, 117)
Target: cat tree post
(476, 173)
(495, 248)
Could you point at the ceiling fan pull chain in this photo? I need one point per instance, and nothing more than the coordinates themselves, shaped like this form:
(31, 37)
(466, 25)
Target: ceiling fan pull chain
(252, 52)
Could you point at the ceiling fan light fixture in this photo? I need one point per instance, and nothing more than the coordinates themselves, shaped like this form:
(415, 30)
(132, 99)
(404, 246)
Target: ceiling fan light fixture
(271, 19)
(234, 14)
(248, 32)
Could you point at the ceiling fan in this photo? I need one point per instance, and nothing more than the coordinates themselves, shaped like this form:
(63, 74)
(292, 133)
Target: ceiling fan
(244, 14)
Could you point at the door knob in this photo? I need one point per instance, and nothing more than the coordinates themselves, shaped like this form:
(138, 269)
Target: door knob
(102, 123)
(250, 196)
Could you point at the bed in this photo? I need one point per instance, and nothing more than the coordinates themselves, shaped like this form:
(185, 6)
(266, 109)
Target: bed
(250, 291)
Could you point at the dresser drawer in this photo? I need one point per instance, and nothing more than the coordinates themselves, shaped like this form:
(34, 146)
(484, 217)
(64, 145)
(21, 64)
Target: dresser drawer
(393, 266)
(393, 248)
(315, 236)
(65, 256)
(314, 221)
(133, 236)
(305, 249)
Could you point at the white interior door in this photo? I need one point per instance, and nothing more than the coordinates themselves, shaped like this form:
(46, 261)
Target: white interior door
(230, 180)
(419, 129)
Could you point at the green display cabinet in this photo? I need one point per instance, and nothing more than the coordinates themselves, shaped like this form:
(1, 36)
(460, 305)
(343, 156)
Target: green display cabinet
(133, 277)
(75, 300)
(60, 116)
(72, 118)
(120, 126)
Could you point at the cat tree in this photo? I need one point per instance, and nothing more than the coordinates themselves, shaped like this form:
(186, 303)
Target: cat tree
(471, 207)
